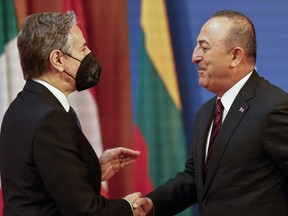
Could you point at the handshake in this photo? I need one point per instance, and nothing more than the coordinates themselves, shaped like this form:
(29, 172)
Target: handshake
(141, 206)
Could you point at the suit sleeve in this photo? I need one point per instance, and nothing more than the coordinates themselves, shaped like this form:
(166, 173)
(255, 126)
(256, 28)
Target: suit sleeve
(177, 193)
(64, 172)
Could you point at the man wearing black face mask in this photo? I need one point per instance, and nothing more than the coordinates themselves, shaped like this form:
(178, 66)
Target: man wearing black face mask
(88, 73)
(47, 165)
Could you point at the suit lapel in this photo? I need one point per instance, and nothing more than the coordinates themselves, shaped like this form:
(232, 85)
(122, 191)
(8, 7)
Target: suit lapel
(86, 149)
(38, 88)
(228, 127)
(233, 119)
(203, 125)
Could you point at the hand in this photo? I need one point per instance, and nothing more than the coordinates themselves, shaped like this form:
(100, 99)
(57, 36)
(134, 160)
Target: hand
(142, 206)
(113, 159)
(130, 198)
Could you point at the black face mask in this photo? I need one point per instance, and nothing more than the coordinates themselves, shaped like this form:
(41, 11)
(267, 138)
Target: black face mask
(88, 73)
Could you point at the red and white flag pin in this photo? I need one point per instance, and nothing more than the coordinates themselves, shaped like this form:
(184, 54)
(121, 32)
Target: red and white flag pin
(241, 109)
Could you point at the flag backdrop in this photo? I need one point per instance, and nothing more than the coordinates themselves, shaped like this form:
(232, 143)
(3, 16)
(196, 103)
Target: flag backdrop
(85, 102)
(158, 108)
(158, 111)
(148, 93)
(11, 80)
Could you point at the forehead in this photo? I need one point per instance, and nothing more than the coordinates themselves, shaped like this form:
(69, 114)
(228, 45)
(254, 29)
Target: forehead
(214, 30)
(76, 37)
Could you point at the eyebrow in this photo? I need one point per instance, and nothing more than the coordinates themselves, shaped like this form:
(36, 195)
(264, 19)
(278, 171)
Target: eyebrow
(83, 45)
(203, 41)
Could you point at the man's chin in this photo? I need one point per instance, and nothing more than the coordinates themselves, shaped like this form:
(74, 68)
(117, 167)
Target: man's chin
(202, 83)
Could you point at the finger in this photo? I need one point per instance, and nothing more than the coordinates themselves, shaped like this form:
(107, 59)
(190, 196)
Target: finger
(131, 197)
(136, 195)
(138, 202)
(144, 204)
(138, 212)
(127, 163)
(126, 151)
(124, 159)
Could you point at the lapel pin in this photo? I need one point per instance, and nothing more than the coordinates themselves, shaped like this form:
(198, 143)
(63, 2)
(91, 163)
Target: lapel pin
(241, 109)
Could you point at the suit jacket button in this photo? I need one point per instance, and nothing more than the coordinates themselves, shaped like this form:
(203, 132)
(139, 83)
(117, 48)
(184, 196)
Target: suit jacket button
(205, 201)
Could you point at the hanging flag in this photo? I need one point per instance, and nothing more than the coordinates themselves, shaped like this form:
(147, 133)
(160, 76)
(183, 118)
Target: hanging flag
(85, 102)
(11, 78)
(158, 111)
(107, 27)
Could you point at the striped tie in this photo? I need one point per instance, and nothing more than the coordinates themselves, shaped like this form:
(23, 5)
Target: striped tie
(217, 121)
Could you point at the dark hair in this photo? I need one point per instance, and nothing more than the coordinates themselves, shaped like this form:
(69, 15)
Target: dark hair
(242, 33)
(42, 33)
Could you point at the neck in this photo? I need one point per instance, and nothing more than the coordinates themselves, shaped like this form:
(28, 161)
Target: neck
(56, 81)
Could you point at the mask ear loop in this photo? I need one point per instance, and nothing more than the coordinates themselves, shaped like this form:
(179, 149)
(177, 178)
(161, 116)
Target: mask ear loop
(69, 74)
(72, 58)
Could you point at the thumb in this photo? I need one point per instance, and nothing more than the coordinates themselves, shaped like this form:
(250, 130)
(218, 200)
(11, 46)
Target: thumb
(138, 202)
(131, 197)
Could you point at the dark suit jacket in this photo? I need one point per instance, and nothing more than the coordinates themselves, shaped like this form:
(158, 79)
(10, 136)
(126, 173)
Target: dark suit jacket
(48, 167)
(248, 171)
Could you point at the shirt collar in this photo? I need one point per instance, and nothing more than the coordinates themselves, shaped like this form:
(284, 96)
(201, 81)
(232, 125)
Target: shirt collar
(57, 93)
(228, 98)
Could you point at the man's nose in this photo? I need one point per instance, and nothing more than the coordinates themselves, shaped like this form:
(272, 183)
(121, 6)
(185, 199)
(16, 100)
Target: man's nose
(196, 55)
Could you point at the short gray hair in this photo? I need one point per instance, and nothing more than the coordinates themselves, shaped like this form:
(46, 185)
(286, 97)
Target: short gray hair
(242, 33)
(40, 34)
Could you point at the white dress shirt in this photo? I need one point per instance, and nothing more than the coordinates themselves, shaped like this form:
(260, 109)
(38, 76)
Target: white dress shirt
(227, 99)
(57, 93)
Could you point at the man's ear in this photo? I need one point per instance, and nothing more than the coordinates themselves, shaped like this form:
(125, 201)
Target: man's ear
(237, 56)
(56, 60)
